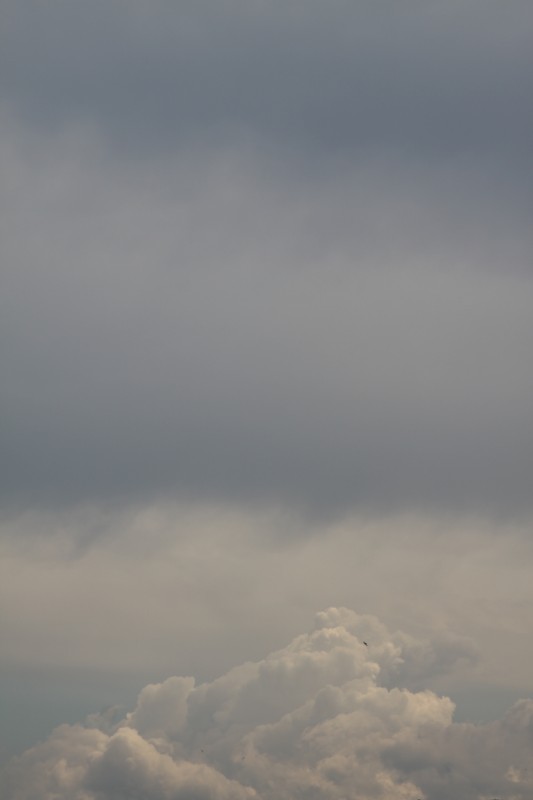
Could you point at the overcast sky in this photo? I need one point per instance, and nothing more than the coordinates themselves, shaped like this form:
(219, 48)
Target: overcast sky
(266, 323)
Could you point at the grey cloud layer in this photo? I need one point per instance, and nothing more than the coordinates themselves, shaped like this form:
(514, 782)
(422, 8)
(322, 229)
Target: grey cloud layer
(307, 280)
(325, 717)
(214, 330)
(424, 77)
(257, 258)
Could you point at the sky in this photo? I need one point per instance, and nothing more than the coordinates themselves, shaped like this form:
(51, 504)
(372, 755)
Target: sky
(266, 320)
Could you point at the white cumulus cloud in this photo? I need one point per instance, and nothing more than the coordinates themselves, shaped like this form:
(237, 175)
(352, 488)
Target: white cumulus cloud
(338, 713)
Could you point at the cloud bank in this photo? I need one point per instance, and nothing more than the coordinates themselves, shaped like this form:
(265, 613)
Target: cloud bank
(267, 252)
(333, 715)
(433, 79)
(211, 329)
(269, 260)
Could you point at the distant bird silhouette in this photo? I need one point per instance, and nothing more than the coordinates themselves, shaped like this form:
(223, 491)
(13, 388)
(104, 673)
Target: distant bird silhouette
(365, 644)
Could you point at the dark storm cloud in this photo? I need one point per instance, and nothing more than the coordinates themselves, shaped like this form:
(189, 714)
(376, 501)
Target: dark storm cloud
(221, 339)
(216, 337)
(434, 77)
(211, 322)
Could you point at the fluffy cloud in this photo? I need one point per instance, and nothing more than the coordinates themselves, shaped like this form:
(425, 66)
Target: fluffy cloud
(327, 717)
